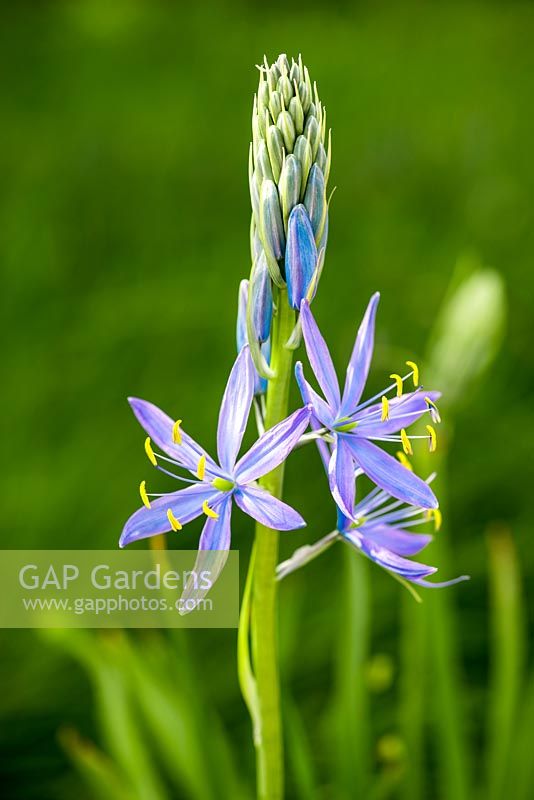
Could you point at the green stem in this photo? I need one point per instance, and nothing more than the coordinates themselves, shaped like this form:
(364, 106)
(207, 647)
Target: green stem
(269, 748)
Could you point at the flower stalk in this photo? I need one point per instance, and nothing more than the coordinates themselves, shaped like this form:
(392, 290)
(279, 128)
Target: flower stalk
(269, 747)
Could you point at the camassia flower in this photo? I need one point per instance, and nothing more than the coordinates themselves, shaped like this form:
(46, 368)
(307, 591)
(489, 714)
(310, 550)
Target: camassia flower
(381, 532)
(380, 529)
(216, 486)
(352, 426)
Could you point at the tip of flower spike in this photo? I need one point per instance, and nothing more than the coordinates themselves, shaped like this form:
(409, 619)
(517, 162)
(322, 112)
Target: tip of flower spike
(209, 512)
(176, 432)
(415, 369)
(150, 452)
(175, 524)
(144, 496)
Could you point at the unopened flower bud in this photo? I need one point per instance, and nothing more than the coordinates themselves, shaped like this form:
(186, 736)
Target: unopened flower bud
(261, 297)
(315, 201)
(301, 256)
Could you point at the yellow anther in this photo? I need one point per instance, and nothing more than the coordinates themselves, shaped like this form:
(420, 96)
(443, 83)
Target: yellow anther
(175, 524)
(434, 411)
(176, 432)
(435, 514)
(406, 444)
(144, 496)
(415, 368)
(385, 409)
(398, 381)
(150, 452)
(433, 438)
(404, 461)
(201, 469)
(209, 512)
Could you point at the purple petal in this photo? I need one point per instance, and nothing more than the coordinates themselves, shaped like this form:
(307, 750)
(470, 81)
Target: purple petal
(389, 474)
(403, 411)
(398, 541)
(321, 409)
(268, 510)
(235, 408)
(411, 570)
(319, 356)
(341, 476)
(212, 556)
(440, 584)
(159, 427)
(273, 447)
(360, 360)
(185, 504)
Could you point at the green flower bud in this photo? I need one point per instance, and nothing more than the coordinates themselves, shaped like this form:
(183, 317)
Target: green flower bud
(285, 89)
(303, 153)
(286, 125)
(275, 105)
(315, 201)
(289, 186)
(271, 230)
(275, 146)
(297, 114)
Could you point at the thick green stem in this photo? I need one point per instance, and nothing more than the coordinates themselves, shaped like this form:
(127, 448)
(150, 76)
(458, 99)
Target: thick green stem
(269, 748)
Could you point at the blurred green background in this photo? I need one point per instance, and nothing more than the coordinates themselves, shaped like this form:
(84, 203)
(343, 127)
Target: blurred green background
(124, 216)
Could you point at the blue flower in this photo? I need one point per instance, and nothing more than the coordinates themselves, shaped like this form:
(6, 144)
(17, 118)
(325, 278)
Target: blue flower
(216, 486)
(352, 426)
(379, 528)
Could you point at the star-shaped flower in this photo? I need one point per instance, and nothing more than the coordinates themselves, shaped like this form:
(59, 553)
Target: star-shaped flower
(353, 426)
(216, 485)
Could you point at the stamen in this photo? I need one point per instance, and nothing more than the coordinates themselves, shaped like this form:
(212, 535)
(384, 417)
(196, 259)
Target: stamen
(201, 469)
(433, 409)
(406, 446)
(403, 460)
(398, 381)
(176, 525)
(385, 409)
(150, 452)
(144, 496)
(209, 512)
(176, 432)
(436, 515)
(415, 375)
(433, 438)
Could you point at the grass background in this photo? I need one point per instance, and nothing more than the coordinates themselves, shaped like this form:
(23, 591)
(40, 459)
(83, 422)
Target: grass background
(124, 216)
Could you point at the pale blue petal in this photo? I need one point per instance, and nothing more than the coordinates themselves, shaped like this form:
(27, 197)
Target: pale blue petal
(360, 360)
(389, 474)
(235, 408)
(159, 427)
(403, 412)
(185, 504)
(268, 510)
(319, 357)
(341, 477)
(398, 541)
(389, 560)
(273, 447)
(212, 556)
(321, 409)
